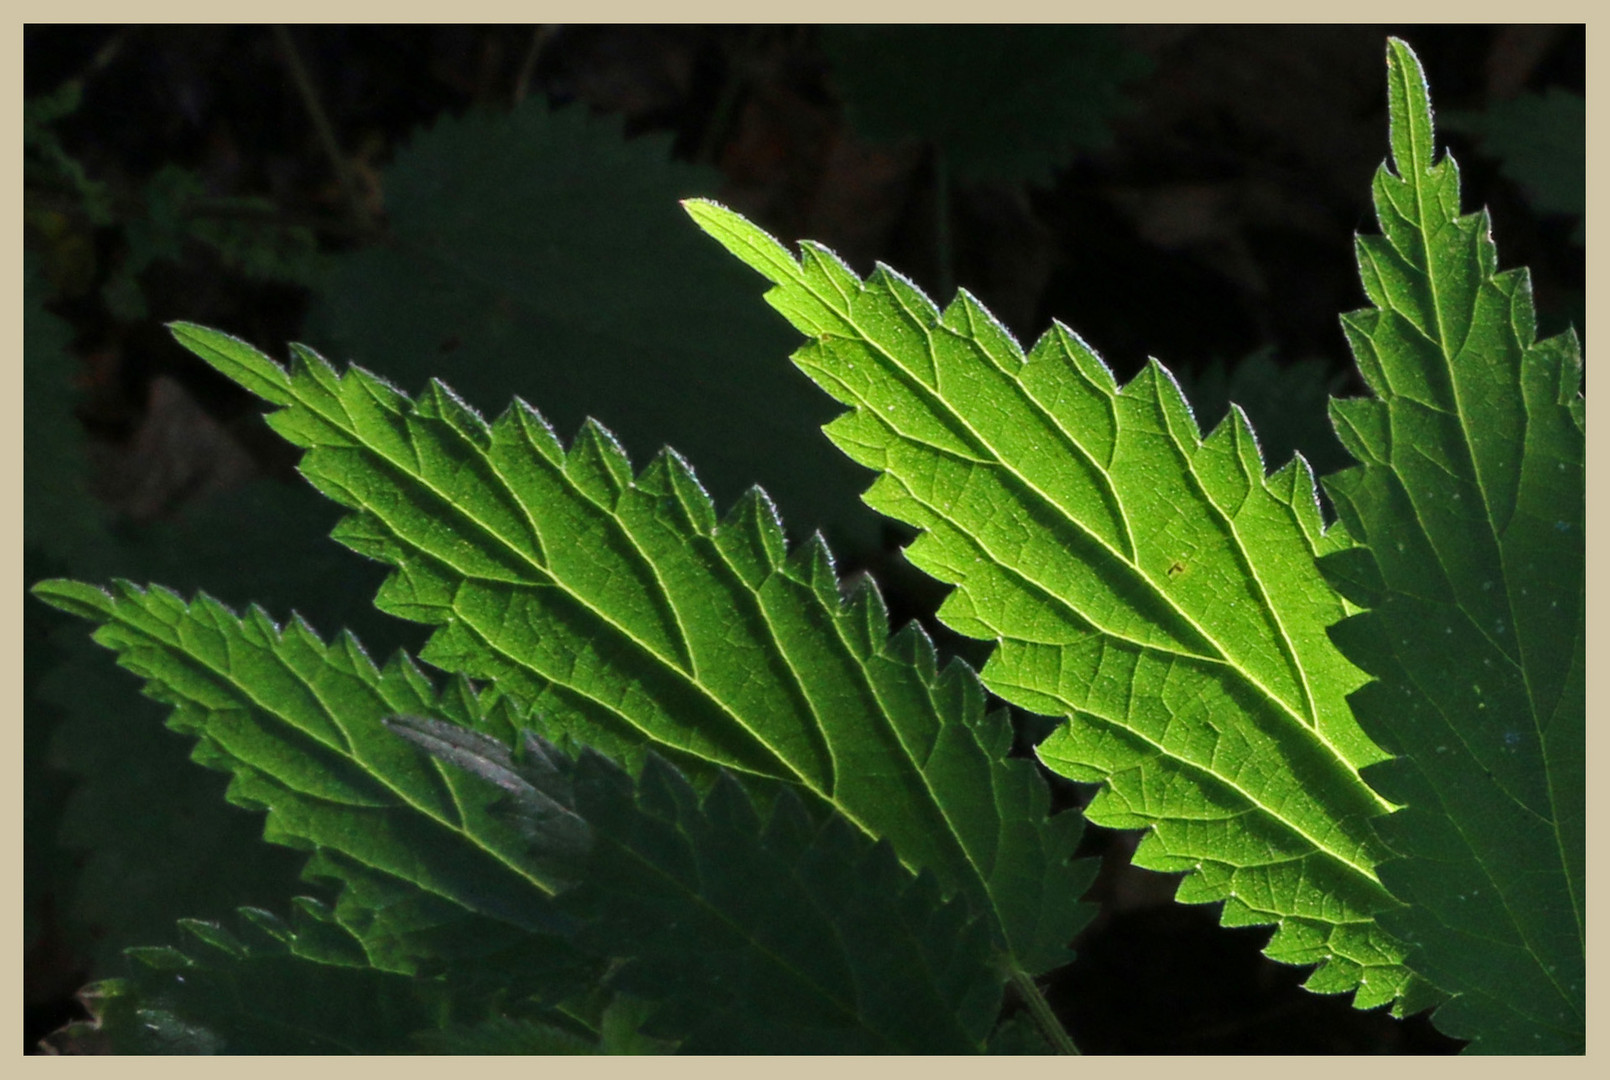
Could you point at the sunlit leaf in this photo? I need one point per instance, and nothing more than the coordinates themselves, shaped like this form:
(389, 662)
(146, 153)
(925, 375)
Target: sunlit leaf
(1156, 589)
(631, 618)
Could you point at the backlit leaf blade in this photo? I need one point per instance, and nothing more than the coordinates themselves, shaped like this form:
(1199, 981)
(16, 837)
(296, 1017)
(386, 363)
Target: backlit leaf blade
(1155, 589)
(1470, 500)
(630, 618)
(771, 935)
(425, 868)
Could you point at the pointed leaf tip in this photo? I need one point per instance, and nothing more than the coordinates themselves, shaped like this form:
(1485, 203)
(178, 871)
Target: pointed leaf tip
(237, 360)
(757, 248)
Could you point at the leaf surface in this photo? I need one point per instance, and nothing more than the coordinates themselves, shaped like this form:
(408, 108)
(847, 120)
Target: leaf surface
(427, 872)
(1470, 500)
(631, 618)
(270, 988)
(780, 935)
(1154, 588)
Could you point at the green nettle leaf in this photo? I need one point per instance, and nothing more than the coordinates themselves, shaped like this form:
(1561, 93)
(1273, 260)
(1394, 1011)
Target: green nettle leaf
(617, 1033)
(625, 614)
(273, 988)
(428, 873)
(1470, 501)
(786, 935)
(1157, 590)
(697, 799)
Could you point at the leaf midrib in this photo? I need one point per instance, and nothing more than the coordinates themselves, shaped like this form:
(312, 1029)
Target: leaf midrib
(934, 398)
(688, 678)
(1420, 169)
(346, 750)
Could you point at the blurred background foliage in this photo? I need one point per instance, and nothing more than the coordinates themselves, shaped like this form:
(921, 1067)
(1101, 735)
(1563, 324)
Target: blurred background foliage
(496, 206)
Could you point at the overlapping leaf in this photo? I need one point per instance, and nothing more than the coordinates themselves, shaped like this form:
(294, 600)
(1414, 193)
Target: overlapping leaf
(630, 618)
(271, 988)
(1470, 500)
(1155, 589)
(801, 935)
(783, 935)
(428, 873)
(617, 1033)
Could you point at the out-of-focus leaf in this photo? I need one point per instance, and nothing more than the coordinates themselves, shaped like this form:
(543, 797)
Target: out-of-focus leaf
(540, 254)
(1286, 404)
(59, 517)
(1008, 103)
(1540, 141)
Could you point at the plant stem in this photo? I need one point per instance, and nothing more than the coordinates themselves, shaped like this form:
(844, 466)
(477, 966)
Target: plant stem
(322, 126)
(723, 114)
(540, 37)
(1050, 1026)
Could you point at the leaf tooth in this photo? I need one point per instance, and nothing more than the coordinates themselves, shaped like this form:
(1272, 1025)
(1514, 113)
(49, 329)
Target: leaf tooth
(865, 616)
(523, 422)
(912, 645)
(811, 564)
(270, 926)
(681, 498)
(1062, 345)
(968, 317)
(957, 689)
(750, 538)
(213, 934)
(597, 465)
(1158, 382)
(828, 276)
(441, 402)
(160, 957)
(662, 790)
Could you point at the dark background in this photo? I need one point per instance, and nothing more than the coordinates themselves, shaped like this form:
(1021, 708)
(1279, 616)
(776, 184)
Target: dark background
(1207, 215)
